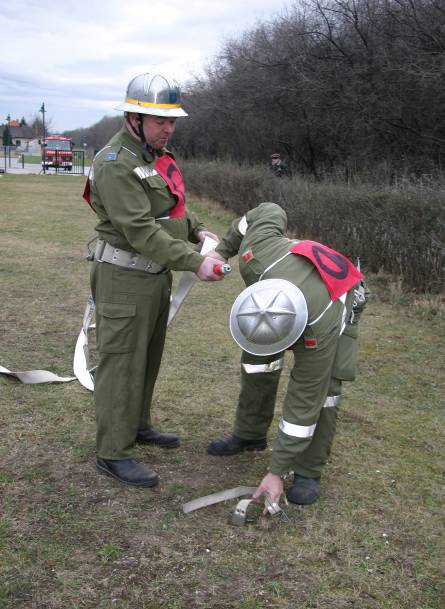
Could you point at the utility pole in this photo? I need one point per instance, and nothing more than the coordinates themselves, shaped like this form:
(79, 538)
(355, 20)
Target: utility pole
(42, 110)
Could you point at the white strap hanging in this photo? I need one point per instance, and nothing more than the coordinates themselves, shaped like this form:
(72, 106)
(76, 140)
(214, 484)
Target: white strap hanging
(81, 352)
(81, 367)
(32, 377)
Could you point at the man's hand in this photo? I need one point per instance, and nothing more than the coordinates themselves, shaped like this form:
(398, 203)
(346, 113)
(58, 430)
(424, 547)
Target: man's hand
(215, 256)
(272, 486)
(202, 234)
(206, 272)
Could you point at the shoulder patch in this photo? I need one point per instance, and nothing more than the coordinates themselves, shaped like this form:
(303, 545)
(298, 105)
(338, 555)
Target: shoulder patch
(111, 156)
(128, 150)
(242, 225)
(145, 172)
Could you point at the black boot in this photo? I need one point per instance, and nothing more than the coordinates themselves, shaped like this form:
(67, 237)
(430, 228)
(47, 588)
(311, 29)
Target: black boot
(128, 471)
(232, 445)
(151, 436)
(304, 490)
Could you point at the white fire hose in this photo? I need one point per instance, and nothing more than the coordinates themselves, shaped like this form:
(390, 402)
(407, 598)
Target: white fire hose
(81, 367)
(239, 516)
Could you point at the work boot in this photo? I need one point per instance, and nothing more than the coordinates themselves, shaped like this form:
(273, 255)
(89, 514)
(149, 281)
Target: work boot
(232, 445)
(304, 490)
(151, 436)
(127, 471)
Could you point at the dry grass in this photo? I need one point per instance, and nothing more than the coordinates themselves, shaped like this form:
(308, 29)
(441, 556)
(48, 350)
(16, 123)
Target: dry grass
(71, 539)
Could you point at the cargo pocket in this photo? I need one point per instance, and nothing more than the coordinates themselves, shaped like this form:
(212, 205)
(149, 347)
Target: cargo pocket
(346, 357)
(116, 326)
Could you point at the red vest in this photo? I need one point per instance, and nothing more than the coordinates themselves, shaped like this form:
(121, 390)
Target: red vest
(166, 166)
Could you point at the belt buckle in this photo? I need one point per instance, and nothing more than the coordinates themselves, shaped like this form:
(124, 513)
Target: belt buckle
(100, 247)
(90, 249)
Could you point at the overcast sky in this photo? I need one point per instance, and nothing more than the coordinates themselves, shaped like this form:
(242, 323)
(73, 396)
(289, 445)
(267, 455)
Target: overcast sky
(79, 56)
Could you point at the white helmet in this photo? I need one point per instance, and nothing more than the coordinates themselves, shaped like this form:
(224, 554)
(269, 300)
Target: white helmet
(268, 317)
(153, 94)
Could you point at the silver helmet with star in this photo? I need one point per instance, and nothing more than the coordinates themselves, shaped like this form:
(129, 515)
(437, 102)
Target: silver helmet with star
(268, 317)
(153, 94)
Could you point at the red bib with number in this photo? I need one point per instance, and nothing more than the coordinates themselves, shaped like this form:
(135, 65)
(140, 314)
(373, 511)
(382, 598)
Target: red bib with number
(337, 272)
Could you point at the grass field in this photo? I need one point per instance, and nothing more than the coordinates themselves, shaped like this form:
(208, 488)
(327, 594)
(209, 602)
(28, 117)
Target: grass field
(71, 539)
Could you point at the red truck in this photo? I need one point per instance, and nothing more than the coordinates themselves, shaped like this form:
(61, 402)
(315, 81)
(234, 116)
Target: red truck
(57, 152)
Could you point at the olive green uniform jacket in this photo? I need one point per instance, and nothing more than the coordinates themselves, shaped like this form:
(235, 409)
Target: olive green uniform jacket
(133, 202)
(323, 357)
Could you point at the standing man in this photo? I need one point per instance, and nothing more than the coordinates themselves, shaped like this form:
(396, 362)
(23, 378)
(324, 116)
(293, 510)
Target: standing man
(303, 296)
(137, 191)
(278, 165)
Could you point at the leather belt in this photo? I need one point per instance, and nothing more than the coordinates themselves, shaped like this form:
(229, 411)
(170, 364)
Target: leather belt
(105, 252)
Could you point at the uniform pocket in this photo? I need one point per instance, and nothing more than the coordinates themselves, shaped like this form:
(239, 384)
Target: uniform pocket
(116, 326)
(156, 182)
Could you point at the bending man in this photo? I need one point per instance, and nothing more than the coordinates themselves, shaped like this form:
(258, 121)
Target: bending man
(301, 296)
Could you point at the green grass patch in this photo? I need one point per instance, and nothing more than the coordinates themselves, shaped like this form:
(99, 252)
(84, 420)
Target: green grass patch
(31, 158)
(70, 538)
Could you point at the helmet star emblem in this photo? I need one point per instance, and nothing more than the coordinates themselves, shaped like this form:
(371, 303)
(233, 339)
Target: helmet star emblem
(265, 312)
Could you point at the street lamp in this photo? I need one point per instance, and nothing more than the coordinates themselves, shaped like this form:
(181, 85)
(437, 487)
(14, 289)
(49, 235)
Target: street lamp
(42, 110)
(7, 141)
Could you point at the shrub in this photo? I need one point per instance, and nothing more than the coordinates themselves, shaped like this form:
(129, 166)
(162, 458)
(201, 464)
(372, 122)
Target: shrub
(399, 230)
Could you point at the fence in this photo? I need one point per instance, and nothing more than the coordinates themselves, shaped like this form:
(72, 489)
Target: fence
(64, 161)
(72, 162)
(5, 158)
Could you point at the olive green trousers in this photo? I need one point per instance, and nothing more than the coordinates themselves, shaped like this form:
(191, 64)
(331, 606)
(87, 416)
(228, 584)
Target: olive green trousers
(131, 322)
(310, 409)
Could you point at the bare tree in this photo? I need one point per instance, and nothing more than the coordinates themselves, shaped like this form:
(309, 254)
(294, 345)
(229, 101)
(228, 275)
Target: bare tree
(335, 83)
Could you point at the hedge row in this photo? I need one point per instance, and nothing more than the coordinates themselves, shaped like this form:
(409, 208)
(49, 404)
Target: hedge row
(399, 230)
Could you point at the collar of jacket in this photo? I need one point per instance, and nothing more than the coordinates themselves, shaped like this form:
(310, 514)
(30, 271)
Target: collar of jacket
(134, 145)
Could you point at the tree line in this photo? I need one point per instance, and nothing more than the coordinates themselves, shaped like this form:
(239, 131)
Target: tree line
(343, 87)
(96, 136)
(340, 85)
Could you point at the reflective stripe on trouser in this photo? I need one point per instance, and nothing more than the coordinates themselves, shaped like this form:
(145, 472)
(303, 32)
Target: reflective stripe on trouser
(131, 318)
(300, 431)
(305, 436)
(259, 384)
(310, 463)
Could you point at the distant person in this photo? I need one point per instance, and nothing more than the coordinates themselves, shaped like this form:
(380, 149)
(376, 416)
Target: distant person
(278, 165)
(144, 229)
(301, 296)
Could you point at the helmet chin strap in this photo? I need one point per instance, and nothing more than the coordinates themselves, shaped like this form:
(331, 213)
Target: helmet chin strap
(139, 133)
